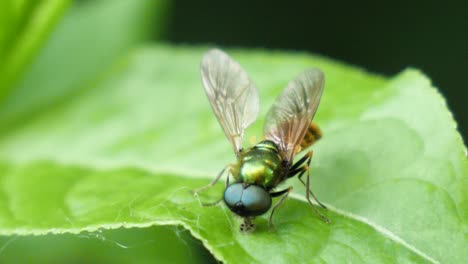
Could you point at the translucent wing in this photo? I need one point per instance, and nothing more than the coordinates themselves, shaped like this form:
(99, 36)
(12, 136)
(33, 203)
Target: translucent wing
(233, 97)
(291, 114)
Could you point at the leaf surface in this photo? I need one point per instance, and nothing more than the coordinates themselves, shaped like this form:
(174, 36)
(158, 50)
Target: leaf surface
(125, 152)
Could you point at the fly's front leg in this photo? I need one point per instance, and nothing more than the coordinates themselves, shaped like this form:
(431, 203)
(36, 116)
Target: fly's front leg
(220, 199)
(285, 194)
(214, 181)
(212, 203)
(211, 184)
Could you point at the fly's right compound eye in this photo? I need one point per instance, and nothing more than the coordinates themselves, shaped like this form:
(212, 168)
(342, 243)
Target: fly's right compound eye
(251, 200)
(233, 195)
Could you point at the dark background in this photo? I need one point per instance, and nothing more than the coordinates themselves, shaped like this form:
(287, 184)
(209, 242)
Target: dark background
(381, 36)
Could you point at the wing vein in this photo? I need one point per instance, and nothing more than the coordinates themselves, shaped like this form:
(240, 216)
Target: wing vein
(291, 114)
(233, 97)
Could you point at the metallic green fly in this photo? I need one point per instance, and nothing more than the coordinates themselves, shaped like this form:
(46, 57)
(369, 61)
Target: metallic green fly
(288, 130)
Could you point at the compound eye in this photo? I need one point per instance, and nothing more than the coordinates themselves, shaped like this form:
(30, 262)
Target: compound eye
(233, 194)
(251, 200)
(256, 200)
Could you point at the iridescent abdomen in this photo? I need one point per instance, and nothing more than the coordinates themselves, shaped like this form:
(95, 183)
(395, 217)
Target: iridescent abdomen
(261, 165)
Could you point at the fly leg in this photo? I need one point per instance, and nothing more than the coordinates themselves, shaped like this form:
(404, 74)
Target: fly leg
(299, 167)
(219, 200)
(212, 203)
(308, 191)
(302, 169)
(213, 182)
(285, 194)
(295, 167)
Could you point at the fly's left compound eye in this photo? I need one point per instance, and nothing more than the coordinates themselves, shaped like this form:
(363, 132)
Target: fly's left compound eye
(251, 200)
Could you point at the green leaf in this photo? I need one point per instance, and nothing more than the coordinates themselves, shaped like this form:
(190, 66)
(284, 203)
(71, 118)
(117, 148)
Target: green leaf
(136, 245)
(125, 151)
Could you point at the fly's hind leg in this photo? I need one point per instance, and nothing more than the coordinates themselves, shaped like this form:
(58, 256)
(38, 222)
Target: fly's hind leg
(285, 194)
(308, 191)
(299, 167)
(302, 168)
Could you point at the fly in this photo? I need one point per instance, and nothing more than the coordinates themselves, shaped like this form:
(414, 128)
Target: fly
(288, 130)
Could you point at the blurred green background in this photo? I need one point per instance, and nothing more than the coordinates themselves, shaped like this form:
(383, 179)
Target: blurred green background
(382, 37)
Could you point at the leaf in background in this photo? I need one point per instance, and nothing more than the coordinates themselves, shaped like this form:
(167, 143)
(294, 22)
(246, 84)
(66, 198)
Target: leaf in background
(89, 39)
(136, 245)
(126, 151)
(24, 26)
